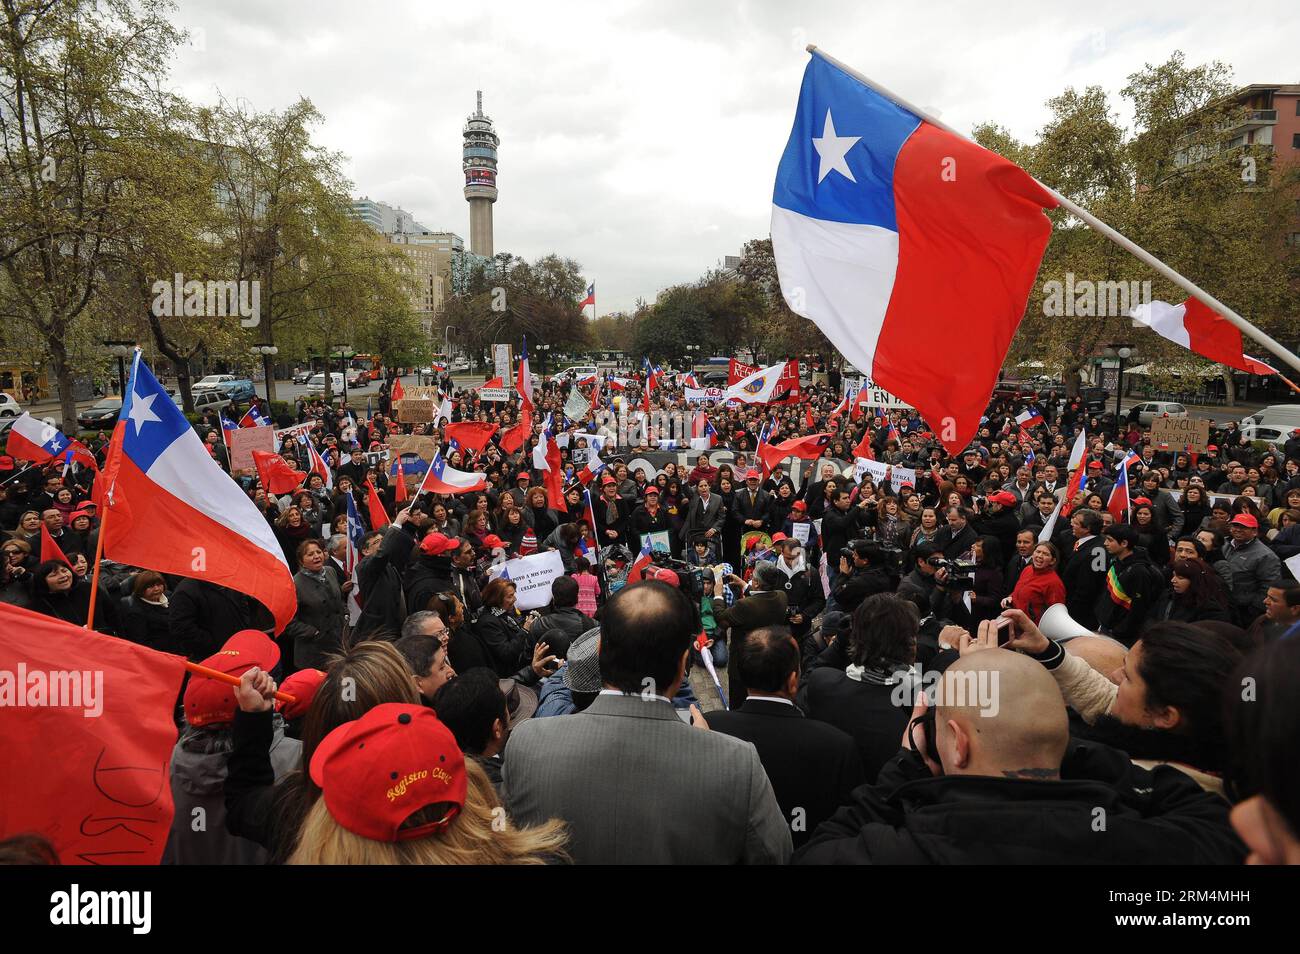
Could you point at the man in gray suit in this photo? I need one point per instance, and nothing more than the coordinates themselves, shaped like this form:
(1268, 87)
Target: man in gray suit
(704, 516)
(634, 783)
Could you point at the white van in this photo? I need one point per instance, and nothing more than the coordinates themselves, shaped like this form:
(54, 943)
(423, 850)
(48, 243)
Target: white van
(317, 382)
(1282, 416)
(578, 371)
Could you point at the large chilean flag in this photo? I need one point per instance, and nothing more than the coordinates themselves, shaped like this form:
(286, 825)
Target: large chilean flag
(889, 231)
(442, 478)
(170, 508)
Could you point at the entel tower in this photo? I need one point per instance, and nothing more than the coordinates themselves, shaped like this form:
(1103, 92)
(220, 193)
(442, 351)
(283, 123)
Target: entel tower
(480, 165)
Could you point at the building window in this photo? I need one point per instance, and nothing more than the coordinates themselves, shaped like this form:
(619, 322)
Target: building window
(1295, 140)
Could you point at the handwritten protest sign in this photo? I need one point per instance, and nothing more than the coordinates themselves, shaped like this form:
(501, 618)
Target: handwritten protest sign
(532, 576)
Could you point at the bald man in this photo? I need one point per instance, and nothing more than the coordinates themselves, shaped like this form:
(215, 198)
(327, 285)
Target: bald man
(1002, 783)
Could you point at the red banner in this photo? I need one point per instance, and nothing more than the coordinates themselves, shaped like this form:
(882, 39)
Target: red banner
(789, 378)
(86, 740)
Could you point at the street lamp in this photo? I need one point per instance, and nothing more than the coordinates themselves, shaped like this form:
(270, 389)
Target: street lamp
(691, 350)
(267, 352)
(541, 351)
(446, 342)
(121, 350)
(1123, 352)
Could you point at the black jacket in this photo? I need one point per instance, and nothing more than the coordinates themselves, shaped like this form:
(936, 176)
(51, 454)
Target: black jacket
(759, 509)
(149, 625)
(379, 578)
(909, 817)
(428, 576)
(561, 627)
(1142, 583)
(204, 616)
(1083, 572)
(852, 588)
(954, 546)
(866, 711)
(508, 644)
(751, 612)
(1004, 525)
(838, 528)
(813, 766)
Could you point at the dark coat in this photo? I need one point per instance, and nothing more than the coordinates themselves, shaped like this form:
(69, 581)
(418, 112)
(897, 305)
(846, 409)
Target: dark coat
(760, 508)
(379, 579)
(852, 588)
(317, 628)
(426, 577)
(749, 613)
(1142, 583)
(205, 615)
(149, 625)
(560, 628)
(954, 545)
(865, 711)
(838, 528)
(909, 817)
(1083, 572)
(813, 766)
(508, 644)
(701, 517)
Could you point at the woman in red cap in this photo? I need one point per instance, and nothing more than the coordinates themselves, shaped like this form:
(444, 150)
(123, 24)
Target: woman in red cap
(396, 789)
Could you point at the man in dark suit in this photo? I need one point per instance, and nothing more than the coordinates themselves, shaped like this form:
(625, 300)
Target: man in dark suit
(812, 765)
(1084, 570)
(765, 605)
(704, 516)
(1026, 540)
(754, 505)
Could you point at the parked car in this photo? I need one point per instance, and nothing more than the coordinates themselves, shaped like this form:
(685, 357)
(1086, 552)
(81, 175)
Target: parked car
(302, 375)
(1275, 434)
(5, 424)
(714, 379)
(207, 400)
(358, 379)
(238, 390)
(1148, 412)
(102, 414)
(9, 406)
(213, 381)
(577, 372)
(1015, 391)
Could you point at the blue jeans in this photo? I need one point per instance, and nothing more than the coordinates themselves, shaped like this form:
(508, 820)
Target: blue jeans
(718, 651)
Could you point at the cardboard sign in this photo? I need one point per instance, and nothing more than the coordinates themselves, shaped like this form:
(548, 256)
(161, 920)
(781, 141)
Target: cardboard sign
(494, 394)
(245, 440)
(416, 412)
(902, 475)
(532, 576)
(422, 447)
(1189, 434)
(800, 530)
(423, 393)
(576, 407)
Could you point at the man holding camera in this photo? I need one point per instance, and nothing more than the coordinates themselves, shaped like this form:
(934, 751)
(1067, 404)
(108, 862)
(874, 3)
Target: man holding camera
(862, 573)
(764, 604)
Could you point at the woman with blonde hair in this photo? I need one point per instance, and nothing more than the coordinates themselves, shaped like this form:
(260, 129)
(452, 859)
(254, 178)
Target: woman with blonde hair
(397, 790)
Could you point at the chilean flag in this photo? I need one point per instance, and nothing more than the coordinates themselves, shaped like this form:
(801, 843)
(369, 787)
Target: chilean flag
(1118, 502)
(524, 382)
(254, 418)
(1131, 458)
(1029, 417)
(169, 507)
(1195, 327)
(442, 478)
(36, 441)
(316, 464)
(887, 230)
(618, 384)
(649, 385)
(590, 299)
(590, 469)
(1078, 467)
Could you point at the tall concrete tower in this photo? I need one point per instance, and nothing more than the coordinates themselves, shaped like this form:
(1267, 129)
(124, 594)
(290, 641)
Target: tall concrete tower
(480, 165)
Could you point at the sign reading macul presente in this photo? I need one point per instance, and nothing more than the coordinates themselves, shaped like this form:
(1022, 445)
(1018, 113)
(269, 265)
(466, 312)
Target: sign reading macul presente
(1180, 433)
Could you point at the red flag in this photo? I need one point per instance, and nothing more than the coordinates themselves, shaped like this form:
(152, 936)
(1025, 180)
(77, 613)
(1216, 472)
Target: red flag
(275, 474)
(805, 448)
(399, 488)
(494, 383)
(808, 418)
(863, 448)
(49, 549)
(470, 436)
(399, 392)
(514, 438)
(553, 478)
(98, 787)
(378, 515)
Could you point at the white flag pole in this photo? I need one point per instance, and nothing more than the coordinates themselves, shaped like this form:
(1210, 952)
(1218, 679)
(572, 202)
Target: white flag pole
(1125, 243)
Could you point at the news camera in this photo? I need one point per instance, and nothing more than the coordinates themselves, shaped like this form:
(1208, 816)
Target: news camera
(691, 577)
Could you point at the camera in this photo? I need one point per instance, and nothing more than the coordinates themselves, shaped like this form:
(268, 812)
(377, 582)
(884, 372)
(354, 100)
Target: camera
(691, 577)
(959, 571)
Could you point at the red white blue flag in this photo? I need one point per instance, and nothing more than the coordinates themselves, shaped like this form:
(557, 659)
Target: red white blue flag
(888, 230)
(169, 507)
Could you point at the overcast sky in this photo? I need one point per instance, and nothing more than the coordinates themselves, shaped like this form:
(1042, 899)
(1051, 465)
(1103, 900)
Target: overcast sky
(642, 138)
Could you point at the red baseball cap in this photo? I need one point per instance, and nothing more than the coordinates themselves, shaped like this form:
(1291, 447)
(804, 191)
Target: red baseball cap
(652, 489)
(379, 770)
(524, 474)
(302, 685)
(779, 537)
(607, 479)
(1245, 520)
(492, 541)
(436, 544)
(6, 462)
(800, 506)
(663, 576)
(1004, 497)
(752, 474)
(209, 702)
(1094, 465)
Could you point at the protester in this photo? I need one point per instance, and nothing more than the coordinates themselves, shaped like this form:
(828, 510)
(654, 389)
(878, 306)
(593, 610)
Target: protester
(316, 630)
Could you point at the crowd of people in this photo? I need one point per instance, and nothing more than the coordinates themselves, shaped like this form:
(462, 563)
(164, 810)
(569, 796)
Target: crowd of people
(842, 612)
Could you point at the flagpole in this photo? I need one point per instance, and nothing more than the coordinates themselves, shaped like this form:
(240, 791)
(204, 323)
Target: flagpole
(94, 576)
(1122, 241)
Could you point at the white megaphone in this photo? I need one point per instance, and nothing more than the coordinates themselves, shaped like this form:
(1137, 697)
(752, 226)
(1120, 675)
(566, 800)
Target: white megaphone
(1056, 624)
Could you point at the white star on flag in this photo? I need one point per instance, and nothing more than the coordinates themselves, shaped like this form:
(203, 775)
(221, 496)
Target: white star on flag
(142, 411)
(831, 148)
